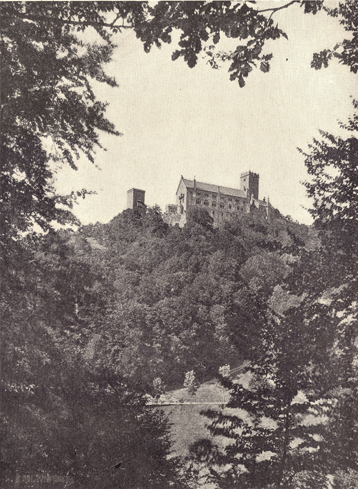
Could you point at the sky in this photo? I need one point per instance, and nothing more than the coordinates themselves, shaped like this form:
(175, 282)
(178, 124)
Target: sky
(196, 122)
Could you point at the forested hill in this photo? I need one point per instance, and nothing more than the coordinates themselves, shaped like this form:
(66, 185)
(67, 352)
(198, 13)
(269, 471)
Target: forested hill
(176, 299)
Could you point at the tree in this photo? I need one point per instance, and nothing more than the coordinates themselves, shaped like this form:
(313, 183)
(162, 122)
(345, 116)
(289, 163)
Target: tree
(333, 166)
(200, 216)
(64, 411)
(49, 116)
(49, 111)
(270, 443)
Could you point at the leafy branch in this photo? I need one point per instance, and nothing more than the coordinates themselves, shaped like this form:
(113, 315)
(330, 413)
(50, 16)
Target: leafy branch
(82, 23)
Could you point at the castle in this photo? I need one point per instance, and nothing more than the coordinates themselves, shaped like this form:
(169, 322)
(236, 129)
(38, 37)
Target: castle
(218, 201)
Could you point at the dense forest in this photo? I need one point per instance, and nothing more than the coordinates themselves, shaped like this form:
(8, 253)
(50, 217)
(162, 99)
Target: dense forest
(95, 319)
(192, 298)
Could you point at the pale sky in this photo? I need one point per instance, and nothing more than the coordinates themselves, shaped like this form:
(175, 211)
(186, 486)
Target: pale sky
(196, 122)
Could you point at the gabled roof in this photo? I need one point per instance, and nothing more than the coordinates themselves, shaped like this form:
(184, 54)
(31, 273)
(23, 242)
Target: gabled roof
(208, 187)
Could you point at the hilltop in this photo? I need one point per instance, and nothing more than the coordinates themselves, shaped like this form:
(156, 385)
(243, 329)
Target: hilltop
(191, 298)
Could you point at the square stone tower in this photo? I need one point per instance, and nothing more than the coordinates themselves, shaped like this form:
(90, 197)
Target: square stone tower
(249, 182)
(135, 197)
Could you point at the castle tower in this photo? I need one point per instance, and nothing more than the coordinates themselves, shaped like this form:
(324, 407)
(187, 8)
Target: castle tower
(249, 182)
(135, 198)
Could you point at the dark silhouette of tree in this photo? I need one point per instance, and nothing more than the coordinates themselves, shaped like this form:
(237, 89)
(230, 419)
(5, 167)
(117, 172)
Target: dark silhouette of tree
(64, 411)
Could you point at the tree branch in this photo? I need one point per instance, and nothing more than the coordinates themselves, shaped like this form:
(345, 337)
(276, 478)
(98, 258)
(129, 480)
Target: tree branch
(72, 22)
(118, 16)
(273, 10)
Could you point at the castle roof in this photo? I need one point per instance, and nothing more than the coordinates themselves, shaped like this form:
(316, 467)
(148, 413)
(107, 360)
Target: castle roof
(208, 187)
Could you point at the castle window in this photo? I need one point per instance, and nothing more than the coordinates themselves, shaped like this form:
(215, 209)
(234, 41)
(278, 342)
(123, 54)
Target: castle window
(198, 201)
(214, 204)
(238, 208)
(221, 197)
(206, 202)
(206, 195)
(221, 206)
(229, 199)
(213, 196)
(230, 206)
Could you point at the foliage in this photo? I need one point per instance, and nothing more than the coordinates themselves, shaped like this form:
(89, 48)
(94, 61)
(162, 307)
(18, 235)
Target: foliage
(49, 111)
(333, 166)
(186, 299)
(190, 382)
(62, 411)
(345, 480)
(346, 51)
(294, 420)
(200, 216)
(270, 441)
